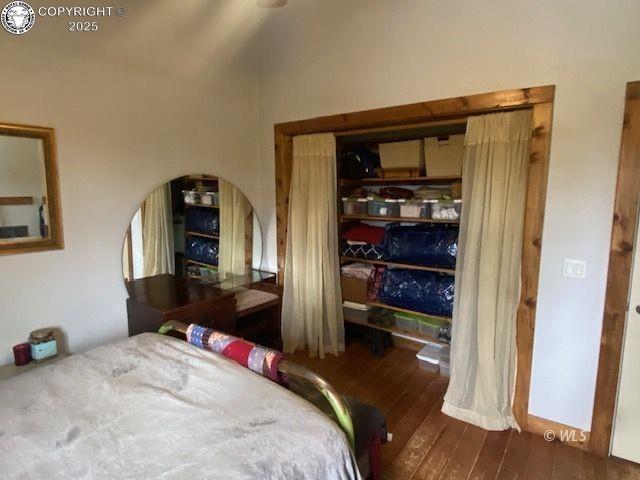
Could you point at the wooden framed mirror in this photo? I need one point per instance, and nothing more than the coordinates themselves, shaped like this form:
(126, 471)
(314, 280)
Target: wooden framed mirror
(30, 210)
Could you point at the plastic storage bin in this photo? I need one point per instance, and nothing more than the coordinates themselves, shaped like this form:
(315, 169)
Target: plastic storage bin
(429, 357)
(354, 206)
(383, 207)
(406, 321)
(209, 198)
(355, 312)
(430, 326)
(443, 155)
(190, 197)
(415, 208)
(446, 210)
(409, 154)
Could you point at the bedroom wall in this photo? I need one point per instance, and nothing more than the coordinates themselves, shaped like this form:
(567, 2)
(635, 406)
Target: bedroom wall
(166, 90)
(329, 57)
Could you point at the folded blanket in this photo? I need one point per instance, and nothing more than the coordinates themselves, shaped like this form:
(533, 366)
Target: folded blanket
(256, 358)
(365, 233)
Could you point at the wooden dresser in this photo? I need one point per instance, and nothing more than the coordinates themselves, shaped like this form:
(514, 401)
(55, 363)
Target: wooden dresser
(247, 306)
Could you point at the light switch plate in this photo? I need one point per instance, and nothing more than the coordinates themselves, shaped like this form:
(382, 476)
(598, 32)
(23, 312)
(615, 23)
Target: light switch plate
(574, 268)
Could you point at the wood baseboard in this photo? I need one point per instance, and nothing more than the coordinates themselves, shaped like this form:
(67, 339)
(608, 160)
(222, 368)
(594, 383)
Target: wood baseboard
(558, 432)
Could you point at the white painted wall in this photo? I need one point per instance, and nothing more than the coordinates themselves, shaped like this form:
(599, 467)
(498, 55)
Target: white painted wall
(169, 89)
(334, 56)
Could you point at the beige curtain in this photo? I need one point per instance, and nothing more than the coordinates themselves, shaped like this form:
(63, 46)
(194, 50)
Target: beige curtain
(157, 232)
(235, 211)
(312, 310)
(483, 344)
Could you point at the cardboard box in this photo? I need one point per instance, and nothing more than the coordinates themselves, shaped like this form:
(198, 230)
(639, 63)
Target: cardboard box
(354, 289)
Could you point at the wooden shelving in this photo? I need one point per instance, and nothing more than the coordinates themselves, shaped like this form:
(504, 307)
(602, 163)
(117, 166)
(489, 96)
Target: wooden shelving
(203, 235)
(448, 271)
(192, 205)
(412, 334)
(202, 264)
(399, 181)
(372, 218)
(413, 312)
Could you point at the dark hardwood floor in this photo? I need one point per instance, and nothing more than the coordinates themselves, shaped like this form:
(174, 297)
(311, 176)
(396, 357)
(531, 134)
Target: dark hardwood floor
(430, 445)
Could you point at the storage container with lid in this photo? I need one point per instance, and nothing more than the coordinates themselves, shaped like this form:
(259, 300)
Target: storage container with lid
(209, 198)
(446, 210)
(415, 208)
(443, 155)
(190, 197)
(383, 207)
(430, 326)
(355, 312)
(409, 154)
(429, 357)
(43, 345)
(407, 321)
(354, 205)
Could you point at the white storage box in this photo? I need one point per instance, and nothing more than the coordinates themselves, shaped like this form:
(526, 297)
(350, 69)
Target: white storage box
(355, 312)
(443, 155)
(429, 357)
(446, 210)
(408, 154)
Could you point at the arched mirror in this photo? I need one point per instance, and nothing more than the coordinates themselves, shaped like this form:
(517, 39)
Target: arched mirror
(198, 227)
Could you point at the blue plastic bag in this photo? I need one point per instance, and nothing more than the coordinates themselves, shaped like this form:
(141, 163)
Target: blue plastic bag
(426, 292)
(203, 221)
(202, 250)
(431, 245)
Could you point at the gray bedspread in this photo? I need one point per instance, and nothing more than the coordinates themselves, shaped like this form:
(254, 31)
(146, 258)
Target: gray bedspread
(153, 407)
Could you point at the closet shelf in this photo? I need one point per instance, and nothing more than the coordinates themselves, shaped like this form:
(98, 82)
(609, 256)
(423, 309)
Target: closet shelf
(399, 181)
(394, 219)
(391, 307)
(448, 271)
(413, 334)
(202, 264)
(203, 235)
(190, 205)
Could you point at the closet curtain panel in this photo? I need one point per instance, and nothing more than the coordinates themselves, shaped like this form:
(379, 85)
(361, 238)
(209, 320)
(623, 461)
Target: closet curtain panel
(312, 310)
(157, 232)
(483, 347)
(234, 212)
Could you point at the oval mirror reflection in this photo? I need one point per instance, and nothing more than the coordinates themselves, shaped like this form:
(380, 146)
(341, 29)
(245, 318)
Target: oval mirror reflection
(198, 227)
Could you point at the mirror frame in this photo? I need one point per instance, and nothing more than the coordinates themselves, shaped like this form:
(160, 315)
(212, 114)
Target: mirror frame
(55, 241)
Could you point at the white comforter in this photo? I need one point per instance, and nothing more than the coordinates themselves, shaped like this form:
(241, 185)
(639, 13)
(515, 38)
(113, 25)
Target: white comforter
(154, 407)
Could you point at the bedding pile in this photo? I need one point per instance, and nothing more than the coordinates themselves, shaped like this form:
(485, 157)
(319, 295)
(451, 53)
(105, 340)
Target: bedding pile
(152, 407)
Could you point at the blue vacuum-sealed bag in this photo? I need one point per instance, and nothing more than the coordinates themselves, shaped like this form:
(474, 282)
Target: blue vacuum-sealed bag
(431, 245)
(426, 292)
(203, 220)
(202, 250)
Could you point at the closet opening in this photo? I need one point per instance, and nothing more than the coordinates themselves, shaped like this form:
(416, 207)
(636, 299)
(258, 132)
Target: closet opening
(441, 119)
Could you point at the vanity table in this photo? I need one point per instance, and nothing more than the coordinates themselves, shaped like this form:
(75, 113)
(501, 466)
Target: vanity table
(246, 306)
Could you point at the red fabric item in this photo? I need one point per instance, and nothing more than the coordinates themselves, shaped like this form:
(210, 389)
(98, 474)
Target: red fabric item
(239, 351)
(365, 233)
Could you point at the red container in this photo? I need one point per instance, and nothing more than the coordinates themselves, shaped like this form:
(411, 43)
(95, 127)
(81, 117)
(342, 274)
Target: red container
(22, 354)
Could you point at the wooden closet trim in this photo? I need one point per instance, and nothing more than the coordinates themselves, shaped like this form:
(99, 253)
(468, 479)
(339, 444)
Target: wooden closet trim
(539, 99)
(623, 234)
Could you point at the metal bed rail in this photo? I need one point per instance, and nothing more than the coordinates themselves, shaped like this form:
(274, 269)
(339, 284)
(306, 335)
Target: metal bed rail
(293, 370)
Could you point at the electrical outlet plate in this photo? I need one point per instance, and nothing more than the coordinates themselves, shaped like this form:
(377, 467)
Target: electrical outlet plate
(574, 268)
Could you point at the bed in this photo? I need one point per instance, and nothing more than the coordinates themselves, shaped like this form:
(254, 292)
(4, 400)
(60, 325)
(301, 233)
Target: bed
(156, 407)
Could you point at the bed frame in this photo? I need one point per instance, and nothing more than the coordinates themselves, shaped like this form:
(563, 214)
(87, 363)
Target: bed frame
(293, 370)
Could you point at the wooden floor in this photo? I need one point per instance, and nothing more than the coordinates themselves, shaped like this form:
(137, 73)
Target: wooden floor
(430, 445)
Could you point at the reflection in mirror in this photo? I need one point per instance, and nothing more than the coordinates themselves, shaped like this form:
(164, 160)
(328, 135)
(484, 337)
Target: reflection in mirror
(199, 227)
(23, 190)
